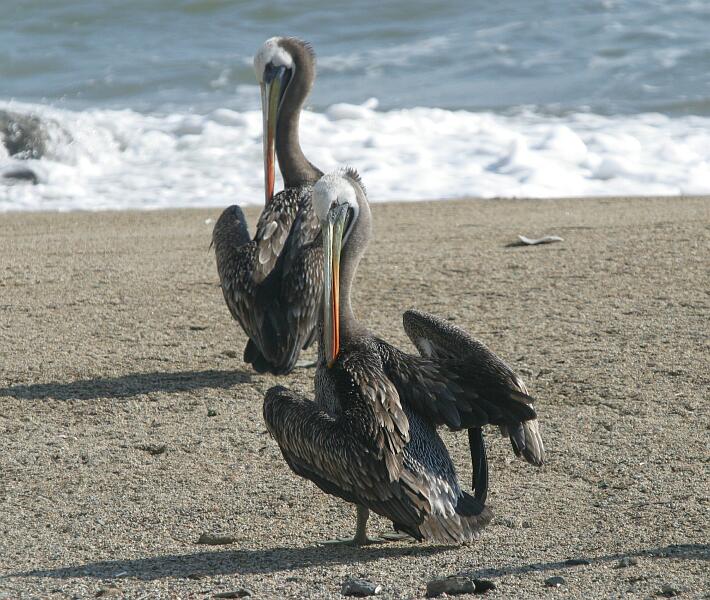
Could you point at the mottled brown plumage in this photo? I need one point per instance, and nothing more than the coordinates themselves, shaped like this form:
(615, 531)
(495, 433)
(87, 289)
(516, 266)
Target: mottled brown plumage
(272, 283)
(370, 435)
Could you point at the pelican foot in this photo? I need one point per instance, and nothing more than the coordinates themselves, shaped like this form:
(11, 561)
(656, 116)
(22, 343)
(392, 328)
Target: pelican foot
(353, 541)
(397, 537)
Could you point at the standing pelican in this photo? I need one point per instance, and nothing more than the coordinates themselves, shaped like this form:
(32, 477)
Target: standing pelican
(272, 284)
(370, 436)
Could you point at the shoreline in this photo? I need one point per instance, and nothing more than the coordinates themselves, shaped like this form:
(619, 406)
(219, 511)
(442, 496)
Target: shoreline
(396, 202)
(130, 426)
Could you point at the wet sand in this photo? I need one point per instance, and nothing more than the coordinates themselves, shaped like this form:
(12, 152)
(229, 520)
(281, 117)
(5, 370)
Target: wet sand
(129, 425)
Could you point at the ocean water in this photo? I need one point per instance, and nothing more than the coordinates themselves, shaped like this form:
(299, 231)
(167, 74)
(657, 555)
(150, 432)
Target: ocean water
(147, 104)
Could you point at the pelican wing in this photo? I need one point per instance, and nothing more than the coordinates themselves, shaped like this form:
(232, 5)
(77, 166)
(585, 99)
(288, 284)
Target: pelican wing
(302, 285)
(457, 381)
(236, 253)
(273, 229)
(336, 454)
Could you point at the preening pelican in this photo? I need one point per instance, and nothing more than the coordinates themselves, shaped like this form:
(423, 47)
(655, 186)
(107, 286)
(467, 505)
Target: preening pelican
(272, 283)
(370, 435)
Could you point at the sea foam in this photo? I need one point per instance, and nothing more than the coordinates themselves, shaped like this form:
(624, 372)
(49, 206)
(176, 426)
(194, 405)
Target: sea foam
(109, 159)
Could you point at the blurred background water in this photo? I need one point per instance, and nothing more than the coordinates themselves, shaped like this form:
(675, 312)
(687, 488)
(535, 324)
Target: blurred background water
(154, 103)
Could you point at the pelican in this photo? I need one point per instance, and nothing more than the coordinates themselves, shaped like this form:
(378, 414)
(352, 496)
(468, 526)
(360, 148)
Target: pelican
(370, 435)
(272, 283)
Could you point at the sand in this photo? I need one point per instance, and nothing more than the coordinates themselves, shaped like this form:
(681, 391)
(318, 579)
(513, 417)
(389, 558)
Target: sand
(129, 425)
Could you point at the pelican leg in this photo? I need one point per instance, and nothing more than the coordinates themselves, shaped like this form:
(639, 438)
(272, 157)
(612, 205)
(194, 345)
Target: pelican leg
(361, 538)
(363, 514)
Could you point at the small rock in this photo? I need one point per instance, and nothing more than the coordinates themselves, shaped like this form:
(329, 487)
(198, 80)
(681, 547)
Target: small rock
(230, 353)
(360, 588)
(21, 174)
(555, 581)
(669, 590)
(211, 412)
(108, 592)
(450, 585)
(483, 585)
(573, 562)
(197, 327)
(238, 593)
(627, 561)
(512, 522)
(216, 539)
(153, 449)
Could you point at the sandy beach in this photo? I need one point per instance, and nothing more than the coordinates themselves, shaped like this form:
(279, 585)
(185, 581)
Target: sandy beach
(129, 425)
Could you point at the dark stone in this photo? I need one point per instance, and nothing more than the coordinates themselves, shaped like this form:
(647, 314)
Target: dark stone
(454, 585)
(669, 590)
(107, 592)
(627, 561)
(573, 562)
(21, 174)
(555, 581)
(238, 593)
(483, 585)
(211, 412)
(458, 584)
(360, 588)
(216, 539)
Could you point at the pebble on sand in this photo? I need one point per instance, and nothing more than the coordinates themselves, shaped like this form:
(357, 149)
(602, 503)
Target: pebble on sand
(360, 588)
(108, 592)
(153, 449)
(627, 561)
(555, 581)
(458, 584)
(216, 539)
(669, 590)
(238, 593)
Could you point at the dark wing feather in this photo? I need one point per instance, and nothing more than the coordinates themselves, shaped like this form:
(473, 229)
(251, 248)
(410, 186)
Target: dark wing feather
(273, 229)
(373, 402)
(302, 285)
(332, 452)
(272, 284)
(236, 255)
(480, 387)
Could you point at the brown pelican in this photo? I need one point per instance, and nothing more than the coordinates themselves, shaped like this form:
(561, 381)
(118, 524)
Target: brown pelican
(272, 283)
(370, 436)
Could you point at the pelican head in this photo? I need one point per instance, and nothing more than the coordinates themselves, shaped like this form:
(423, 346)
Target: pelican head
(275, 67)
(340, 203)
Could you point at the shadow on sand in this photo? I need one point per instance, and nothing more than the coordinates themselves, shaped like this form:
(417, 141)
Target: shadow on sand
(230, 562)
(127, 385)
(675, 551)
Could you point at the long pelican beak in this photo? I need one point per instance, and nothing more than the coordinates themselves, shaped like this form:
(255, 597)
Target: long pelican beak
(271, 89)
(332, 246)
